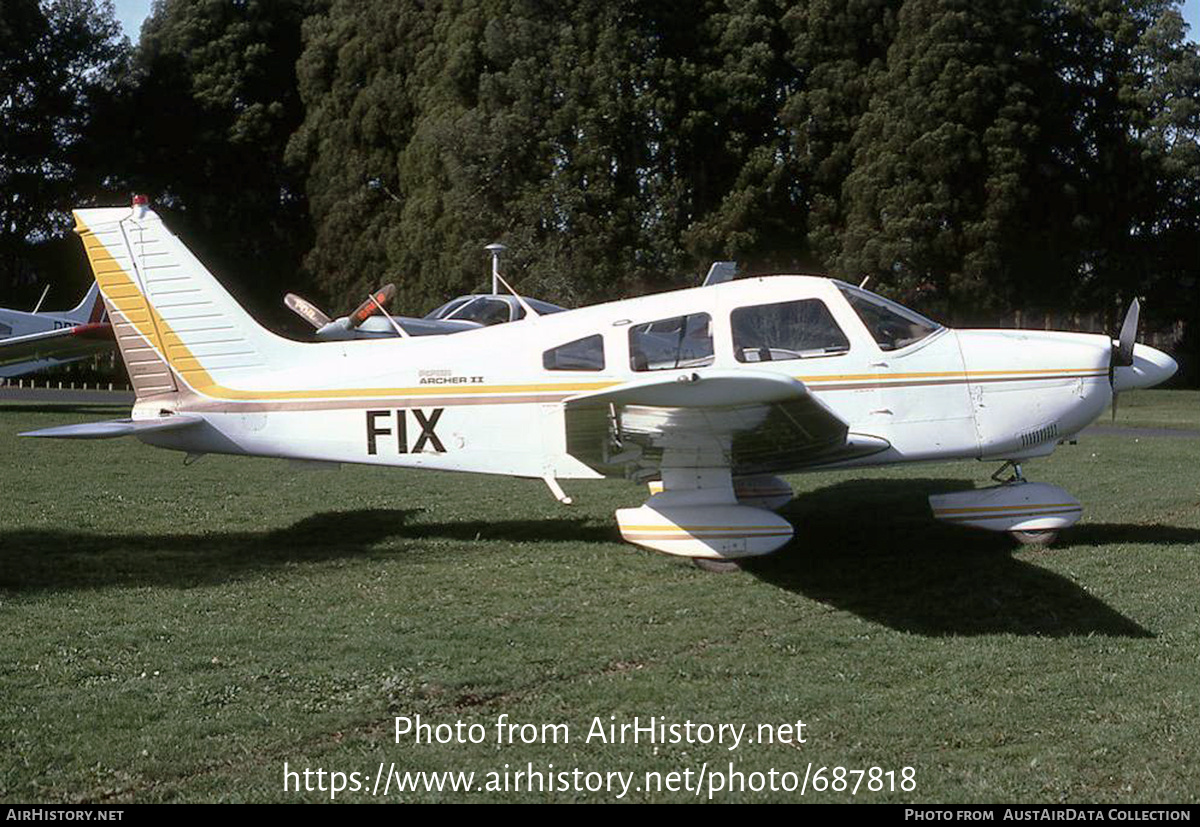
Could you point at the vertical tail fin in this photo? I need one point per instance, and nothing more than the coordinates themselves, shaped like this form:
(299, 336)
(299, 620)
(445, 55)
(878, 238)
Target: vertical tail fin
(90, 310)
(177, 328)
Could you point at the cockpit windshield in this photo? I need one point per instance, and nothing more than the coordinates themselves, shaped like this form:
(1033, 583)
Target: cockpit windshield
(893, 326)
(448, 308)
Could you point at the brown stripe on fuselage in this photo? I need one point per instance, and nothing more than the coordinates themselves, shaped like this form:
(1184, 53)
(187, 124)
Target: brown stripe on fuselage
(199, 403)
(965, 381)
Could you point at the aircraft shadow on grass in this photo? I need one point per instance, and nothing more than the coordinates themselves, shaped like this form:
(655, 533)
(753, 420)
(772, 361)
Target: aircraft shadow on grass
(42, 559)
(868, 547)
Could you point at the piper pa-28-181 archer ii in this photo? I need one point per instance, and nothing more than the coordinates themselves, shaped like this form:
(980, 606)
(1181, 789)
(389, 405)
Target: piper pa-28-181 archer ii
(34, 341)
(708, 392)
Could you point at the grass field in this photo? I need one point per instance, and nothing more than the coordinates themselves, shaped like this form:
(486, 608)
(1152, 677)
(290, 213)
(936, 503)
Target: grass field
(1159, 409)
(178, 634)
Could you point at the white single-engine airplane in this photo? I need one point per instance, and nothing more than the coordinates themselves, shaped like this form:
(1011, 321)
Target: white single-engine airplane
(709, 391)
(34, 341)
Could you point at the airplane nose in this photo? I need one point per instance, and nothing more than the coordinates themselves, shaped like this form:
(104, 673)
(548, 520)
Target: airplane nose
(1150, 367)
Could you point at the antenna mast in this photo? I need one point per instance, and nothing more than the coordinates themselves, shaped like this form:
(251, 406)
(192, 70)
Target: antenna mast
(495, 249)
(497, 279)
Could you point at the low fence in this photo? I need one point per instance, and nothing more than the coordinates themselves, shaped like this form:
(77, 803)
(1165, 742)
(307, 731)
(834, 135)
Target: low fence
(59, 384)
(1166, 338)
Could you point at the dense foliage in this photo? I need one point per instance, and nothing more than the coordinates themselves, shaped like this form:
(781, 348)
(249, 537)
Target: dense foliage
(968, 157)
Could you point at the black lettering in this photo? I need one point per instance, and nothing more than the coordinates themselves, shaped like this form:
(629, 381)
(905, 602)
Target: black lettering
(373, 430)
(401, 432)
(427, 434)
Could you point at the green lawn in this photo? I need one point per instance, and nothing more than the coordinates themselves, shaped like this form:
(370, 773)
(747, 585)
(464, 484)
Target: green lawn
(178, 633)
(1157, 409)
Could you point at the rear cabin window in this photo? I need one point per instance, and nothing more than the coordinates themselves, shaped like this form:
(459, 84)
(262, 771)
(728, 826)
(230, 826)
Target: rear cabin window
(678, 342)
(581, 354)
(787, 330)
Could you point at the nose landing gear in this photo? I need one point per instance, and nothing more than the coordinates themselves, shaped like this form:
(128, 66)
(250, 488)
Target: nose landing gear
(1032, 512)
(1017, 475)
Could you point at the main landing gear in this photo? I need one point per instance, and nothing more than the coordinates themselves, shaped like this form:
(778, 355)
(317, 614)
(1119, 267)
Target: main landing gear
(707, 515)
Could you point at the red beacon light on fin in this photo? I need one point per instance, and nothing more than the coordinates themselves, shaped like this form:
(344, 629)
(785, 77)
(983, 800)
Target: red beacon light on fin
(141, 203)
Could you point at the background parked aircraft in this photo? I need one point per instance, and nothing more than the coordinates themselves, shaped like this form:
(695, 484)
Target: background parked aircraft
(462, 313)
(33, 341)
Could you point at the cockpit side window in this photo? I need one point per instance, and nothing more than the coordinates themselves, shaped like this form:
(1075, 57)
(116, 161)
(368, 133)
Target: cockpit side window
(786, 330)
(677, 342)
(582, 354)
(891, 325)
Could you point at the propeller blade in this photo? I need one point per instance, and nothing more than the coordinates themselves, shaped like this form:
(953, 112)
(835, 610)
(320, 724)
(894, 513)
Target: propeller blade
(1122, 349)
(369, 308)
(1123, 355)
(306, 310)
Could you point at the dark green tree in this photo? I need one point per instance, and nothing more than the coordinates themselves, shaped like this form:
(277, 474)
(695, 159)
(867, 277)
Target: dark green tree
(433, 131)
(837, 55)
(951, 150)
(614, 146)
(57, 61)
(943, 155)
(209, 113)
(1132, 85)
(356, 80)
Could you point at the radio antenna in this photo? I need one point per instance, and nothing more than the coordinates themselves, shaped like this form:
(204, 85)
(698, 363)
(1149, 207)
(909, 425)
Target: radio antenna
(496, 249)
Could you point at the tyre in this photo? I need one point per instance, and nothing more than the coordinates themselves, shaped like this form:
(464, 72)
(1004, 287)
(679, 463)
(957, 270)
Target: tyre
(1041, 537)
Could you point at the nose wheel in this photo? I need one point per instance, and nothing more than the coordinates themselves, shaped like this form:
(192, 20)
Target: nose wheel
(1032, 513)
(1043, 537)
(1027, 537)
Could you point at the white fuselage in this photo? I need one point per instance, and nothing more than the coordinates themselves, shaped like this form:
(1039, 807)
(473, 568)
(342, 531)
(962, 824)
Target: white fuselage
(484, 400)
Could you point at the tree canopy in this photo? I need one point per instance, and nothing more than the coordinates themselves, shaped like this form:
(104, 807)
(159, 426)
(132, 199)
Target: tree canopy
(966, 157)
(57, 63)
